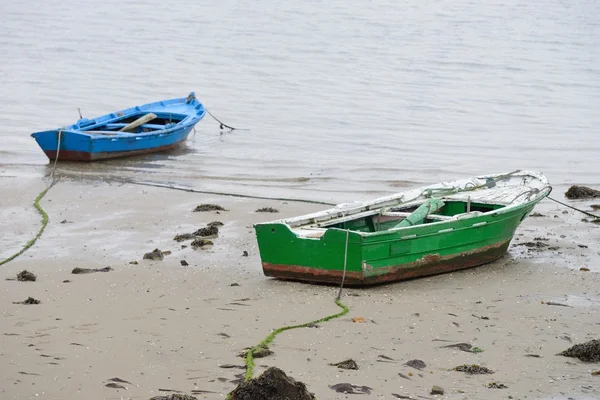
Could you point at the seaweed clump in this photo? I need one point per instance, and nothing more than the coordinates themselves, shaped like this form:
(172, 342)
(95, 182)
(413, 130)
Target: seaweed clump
(346, 364)
(26, 276)
(272, 384)
(586, 352)
(268, 210)
(208, 207)
(473, 369)
(581, 192)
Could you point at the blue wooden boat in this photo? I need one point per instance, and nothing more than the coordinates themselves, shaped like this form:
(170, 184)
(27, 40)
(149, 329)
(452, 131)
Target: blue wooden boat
(148, 128)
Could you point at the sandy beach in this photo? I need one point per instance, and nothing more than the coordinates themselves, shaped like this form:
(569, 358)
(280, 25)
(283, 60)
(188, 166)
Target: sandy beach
(164, 327)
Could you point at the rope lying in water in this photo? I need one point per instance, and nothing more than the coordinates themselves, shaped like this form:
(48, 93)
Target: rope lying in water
(574, 208)
(247, 196)
(250, 356)
(222, 124)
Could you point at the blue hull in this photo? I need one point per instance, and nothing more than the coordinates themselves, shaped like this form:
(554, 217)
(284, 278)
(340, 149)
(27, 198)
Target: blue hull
(102, 138)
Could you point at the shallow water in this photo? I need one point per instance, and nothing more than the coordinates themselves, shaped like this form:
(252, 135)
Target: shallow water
(342, 99)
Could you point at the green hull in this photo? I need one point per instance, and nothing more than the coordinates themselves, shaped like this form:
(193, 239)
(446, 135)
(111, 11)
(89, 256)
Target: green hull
(373, 254)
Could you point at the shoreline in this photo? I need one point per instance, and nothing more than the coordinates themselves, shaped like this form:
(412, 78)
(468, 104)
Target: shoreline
(160, 325)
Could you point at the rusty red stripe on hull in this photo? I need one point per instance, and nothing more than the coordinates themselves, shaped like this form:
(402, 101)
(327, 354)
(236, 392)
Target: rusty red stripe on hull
(69, 155)
(431, 264)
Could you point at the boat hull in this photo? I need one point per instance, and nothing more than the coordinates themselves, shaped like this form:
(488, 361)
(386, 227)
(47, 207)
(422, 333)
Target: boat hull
(73, 148)
(429, 265)
(363, 245)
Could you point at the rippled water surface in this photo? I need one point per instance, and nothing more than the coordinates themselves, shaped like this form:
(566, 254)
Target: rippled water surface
(342, 99)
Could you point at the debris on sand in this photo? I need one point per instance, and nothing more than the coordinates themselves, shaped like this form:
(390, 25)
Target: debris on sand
(460, 346)
(596, 373)
(532, 246)
(215, 223)
(536, 214)
(209, 231)
(208, 207)
(437, 390)
(346, 364)
(401, 396)
(118, 380)
(272, 384)
(349, 388)
(176, 396)
(552, 303)
(26, 276)
(155, 254)
(581, 192)
(496, 385)
(78, 270)
(268, 210)
(586, 352)
(183, 236)
(473, 369)
(201, 243)
(416, 364)
(115, 386)
(184, 263)
(595, 207)
(30, 300)
(245, 253)
(260, 352)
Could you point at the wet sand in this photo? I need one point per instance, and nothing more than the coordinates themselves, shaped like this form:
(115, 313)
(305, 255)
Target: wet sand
(162, 326)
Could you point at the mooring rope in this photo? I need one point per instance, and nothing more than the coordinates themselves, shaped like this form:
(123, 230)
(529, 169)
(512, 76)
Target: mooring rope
(250, 353)
(223, 125)
(246, 196)
(38, 207)
(250, 356)
(345, 263)
(45, 219)
(574, 208)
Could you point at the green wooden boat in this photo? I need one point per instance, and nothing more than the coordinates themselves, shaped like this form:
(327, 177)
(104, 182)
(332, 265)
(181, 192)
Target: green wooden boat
(425, 231)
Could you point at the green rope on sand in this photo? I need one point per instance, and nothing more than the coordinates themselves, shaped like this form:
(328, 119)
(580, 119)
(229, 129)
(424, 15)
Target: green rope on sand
(250, 354)
(45, 218)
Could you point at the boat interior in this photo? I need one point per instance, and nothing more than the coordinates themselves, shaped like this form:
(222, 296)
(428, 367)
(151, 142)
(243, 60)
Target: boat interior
(140, 122)
(386, 218)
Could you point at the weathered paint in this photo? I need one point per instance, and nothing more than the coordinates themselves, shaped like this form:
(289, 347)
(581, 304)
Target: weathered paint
(431, 264)
(297, 248)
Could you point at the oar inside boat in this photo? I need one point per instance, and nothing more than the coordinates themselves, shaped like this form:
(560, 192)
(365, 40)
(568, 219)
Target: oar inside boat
(418, 216)
(138, 122)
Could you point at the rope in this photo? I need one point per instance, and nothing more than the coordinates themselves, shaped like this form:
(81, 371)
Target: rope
(224, 125)
(576, 209)
(247, 196)
(345, 263)
(45, 219)
(56, 158)
(249, 356)
(36, 204)
(345, 310)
